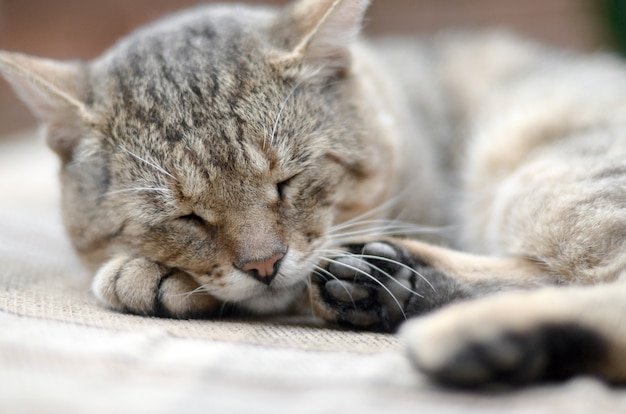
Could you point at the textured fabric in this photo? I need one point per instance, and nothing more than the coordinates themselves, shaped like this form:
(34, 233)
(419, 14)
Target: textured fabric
(60, 352)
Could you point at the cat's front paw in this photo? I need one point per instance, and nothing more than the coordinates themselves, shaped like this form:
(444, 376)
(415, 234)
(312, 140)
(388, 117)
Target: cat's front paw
(140, 286)
(378, 285)
(367, 287)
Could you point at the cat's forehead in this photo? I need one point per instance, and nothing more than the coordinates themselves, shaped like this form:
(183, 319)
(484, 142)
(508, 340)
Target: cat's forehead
(196, 78)
(211, 57)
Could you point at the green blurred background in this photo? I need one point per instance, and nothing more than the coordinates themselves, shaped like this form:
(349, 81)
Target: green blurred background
(613, 14)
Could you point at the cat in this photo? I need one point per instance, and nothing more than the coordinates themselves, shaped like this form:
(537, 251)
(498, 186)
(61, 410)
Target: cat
(238, 159)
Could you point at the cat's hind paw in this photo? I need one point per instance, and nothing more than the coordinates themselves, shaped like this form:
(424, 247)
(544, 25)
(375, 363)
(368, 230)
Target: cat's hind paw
(500, 344)
(140, 286)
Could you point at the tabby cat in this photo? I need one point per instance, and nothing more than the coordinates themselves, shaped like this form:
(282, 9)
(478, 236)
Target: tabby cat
(243, 159)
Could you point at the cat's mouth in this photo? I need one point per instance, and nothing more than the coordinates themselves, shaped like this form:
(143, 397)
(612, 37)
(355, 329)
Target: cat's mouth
(260, 298)
(286, 288)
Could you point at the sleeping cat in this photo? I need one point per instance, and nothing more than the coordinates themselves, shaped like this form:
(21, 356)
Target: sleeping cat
(235, 159)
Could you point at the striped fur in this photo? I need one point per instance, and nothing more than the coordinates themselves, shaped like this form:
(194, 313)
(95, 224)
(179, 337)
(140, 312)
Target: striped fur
(229, 140)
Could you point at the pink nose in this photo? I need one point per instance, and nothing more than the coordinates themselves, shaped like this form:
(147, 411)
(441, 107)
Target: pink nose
(263, 270)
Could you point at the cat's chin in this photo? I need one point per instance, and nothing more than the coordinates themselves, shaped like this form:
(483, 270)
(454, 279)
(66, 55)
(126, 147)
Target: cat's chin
(273, 301)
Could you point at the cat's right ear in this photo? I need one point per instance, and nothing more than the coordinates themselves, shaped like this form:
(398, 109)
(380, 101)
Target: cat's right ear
(53, 90)
(319, 33)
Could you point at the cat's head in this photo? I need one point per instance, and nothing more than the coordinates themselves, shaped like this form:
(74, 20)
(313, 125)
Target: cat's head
(224, 141)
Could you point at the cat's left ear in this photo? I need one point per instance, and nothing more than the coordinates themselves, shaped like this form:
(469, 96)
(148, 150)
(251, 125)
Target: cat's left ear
(320, 32)
(54, 91)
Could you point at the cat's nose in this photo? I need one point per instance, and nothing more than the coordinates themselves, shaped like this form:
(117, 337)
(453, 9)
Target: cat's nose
(263, 270)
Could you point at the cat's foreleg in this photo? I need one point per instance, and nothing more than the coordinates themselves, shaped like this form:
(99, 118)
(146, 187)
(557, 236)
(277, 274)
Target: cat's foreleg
(520, 337)
(141, 286)
(379, 284)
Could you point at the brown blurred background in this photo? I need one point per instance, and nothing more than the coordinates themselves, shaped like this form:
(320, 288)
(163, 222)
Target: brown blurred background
(68, 29)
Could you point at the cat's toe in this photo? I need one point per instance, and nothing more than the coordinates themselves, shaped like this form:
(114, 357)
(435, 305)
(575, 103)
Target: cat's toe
(351, 268)
(178, 297)
(141, 286)
(351, 301)
(346, 292)
(385, 257)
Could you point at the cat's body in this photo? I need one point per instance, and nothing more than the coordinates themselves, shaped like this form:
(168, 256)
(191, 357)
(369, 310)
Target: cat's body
(258, 158)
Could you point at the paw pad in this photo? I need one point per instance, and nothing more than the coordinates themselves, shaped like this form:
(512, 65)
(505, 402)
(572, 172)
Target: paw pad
(369, 286)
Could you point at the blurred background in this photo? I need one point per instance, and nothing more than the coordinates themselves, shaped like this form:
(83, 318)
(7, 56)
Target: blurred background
(70, 29)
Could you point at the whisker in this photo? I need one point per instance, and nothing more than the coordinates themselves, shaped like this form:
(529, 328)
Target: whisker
(369, 225)
(393, 279)
(152, 164)
(330, 251)
(127, 190)
(354, 222)
(382, 231)
(283, 105)
(357, 270)
(404, 266)
(371, 212)
(326, 272)
(309, 283)
(199, 289)
(349, 224)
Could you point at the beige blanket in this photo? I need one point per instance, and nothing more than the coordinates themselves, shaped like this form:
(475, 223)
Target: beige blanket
(60, 352)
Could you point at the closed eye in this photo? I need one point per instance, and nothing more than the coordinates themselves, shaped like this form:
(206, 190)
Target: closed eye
(282, 186)
(281, 189)
(198, 222)
(193, 218)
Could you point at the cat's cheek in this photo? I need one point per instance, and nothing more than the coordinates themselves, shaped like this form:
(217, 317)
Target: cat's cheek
(309, 231)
